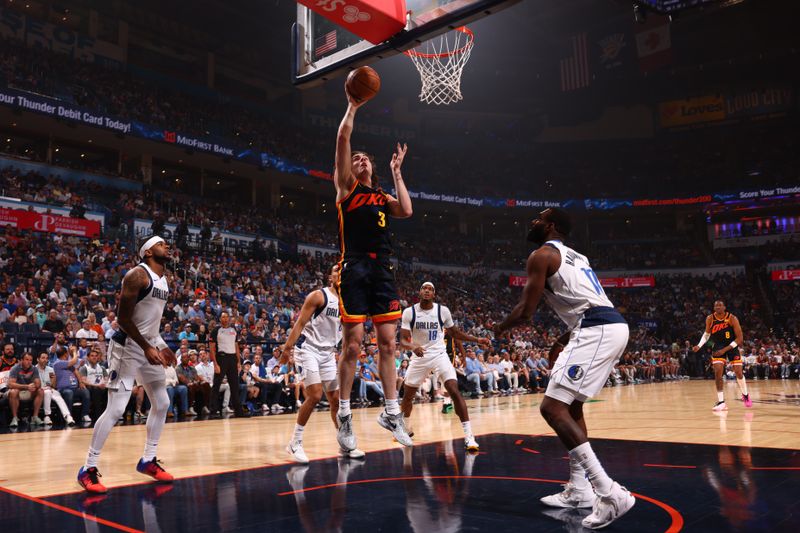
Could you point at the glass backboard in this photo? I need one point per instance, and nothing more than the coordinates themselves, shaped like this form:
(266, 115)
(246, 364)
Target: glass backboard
(323, 50)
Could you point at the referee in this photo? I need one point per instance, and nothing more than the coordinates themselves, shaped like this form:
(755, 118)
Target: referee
(224, 347)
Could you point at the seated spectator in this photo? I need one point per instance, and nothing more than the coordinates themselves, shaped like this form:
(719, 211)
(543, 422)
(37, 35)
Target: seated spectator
(86, 331)
(248, 390)
(175, 388)
(511, 375)
(68, 382)
(269, 392)
(369, 380)
(25, 386)
(47, 377)
(187, 334)
(198, 389)
(95, 379)
(477, 373)
(544, 370)
(8, 359)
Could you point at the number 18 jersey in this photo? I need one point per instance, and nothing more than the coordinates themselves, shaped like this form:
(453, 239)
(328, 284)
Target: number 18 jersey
(427, 327)
(574, 287)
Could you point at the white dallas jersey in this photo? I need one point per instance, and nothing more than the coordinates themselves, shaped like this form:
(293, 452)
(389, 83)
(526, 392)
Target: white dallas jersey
(427, 327)
(574, 288)
(150, 304)
(324, 331)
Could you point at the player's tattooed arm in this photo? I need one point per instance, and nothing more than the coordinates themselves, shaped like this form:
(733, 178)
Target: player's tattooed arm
(134, 281)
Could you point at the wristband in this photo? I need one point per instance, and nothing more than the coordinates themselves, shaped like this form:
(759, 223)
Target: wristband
(733, 344)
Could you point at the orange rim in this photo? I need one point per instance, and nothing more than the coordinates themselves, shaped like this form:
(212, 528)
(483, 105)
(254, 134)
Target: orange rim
(463, 29)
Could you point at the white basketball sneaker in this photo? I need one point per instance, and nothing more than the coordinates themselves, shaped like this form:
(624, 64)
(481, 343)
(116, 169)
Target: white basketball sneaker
(719, 406)
(344, 434)
(351, 454)
(471, 445)
(608, 508)
(296, 451)
(571, 497)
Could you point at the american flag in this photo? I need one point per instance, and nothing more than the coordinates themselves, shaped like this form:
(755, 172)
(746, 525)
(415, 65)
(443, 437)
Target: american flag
(575, 68)
(326, 43)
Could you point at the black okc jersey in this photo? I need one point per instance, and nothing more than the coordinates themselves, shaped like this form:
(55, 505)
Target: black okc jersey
(363, 223)
(366, 283)
(721, 331)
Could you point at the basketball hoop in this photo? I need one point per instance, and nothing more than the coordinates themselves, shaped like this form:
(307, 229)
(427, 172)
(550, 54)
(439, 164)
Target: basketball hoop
(440, 64)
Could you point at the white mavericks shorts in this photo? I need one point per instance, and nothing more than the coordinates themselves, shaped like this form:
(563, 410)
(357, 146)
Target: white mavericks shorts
(126, 363)
(583, 367)
(420, 367)
(318, 367)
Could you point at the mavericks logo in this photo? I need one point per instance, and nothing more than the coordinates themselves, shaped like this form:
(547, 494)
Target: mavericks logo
(575, 372)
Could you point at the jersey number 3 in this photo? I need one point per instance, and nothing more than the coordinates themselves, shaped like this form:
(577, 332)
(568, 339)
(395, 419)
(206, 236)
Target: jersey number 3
(593, 280)
(381, 219)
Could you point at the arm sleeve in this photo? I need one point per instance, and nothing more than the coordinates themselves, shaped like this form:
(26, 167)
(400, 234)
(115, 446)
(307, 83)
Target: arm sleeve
(704, 339)
(405, 323)
(447, 317)
(159, 342)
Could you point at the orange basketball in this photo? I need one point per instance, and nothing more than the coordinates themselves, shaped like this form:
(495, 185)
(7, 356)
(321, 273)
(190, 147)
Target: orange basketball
(363, 84)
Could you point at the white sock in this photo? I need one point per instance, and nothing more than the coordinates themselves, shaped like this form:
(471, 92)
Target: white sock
(742, 385)
(577, 475)
(92, 457)
(448, 400)
(585, 456)
(467, 429)
(392, 407)
(721, 396)
(298, 434)
(344, 408)
(149, 450)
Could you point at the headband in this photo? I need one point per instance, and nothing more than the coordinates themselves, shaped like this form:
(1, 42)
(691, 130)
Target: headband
(428, 283)
(152, 241)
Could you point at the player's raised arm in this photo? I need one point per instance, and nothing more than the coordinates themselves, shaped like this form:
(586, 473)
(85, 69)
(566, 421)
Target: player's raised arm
(343, 174)
(134, 281)
(399, 207)
(706, 335)
(545, 259)
(313, 301)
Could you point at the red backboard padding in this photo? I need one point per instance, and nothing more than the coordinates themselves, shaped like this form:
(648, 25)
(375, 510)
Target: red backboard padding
(373, 20)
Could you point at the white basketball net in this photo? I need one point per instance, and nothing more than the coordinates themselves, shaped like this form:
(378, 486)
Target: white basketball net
(440, 63)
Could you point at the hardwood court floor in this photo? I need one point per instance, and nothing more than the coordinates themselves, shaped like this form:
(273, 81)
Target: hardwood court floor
(44, 463)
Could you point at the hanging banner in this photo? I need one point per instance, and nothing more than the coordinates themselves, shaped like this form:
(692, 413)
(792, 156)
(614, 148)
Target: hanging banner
(628, 283)
(785, 275)
(48, 223)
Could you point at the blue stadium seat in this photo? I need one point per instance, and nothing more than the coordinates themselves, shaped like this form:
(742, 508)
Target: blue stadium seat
(10, 327)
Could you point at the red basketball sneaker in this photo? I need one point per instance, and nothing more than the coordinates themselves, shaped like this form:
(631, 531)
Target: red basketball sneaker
(89, 480)
(154, 470)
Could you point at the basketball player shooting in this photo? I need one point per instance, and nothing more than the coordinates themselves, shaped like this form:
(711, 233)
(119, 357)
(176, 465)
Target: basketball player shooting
(367, 287)
(422, 332)
(724, 333)
(321, 331)
(598, 336)
(136, 352)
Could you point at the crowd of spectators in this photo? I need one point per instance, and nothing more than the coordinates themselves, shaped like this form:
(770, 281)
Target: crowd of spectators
(60, 293)
(753, 155)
